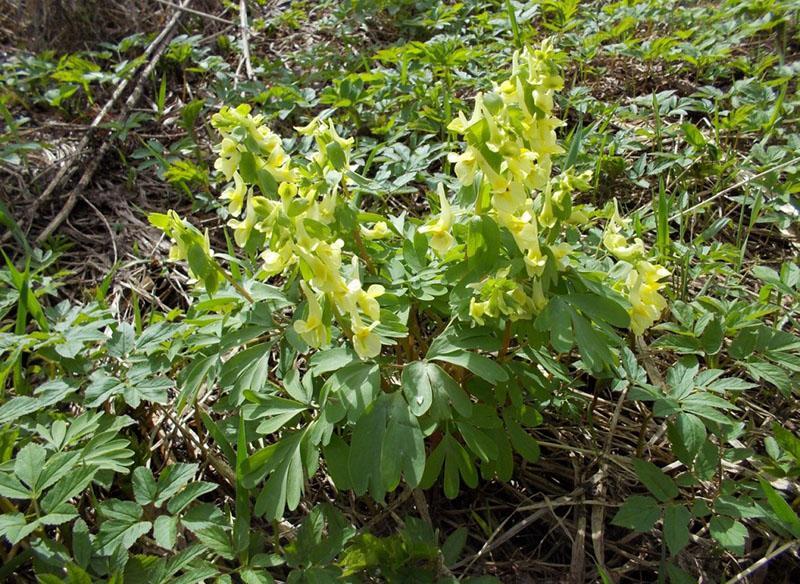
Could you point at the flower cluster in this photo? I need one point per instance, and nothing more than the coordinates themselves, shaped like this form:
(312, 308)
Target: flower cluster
(290, 211)
(292, 206)
(643, 281)
(510, 139)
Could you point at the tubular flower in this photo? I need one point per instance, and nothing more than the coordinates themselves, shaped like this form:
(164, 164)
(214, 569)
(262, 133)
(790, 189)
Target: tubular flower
(441, 240)
(561, 253)
(616, 243)
(477, 310)
(235, 195)
(242, 229)
(378, 231)
(646, 302)
(312, 330)
(229, 158)
(366, 343)
(277, 261)
(366, 300)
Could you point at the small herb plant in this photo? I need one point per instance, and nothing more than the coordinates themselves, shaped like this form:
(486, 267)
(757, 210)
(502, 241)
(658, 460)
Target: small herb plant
(416, 347)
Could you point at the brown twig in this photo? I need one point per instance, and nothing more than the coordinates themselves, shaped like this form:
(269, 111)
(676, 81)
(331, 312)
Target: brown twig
(248, 66)
(69, 167)
(88, 174)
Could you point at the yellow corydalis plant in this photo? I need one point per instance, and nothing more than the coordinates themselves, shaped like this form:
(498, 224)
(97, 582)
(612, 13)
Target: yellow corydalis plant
(510, 139)
(289, 211)
(292, 205)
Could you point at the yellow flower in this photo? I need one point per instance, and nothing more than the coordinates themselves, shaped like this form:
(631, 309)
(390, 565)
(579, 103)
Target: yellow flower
(379, 231)
(477, 310)
(366, 343)
(312, 330)
(537, 295)
(365, 300)
(535, 261)
(523, 228)
(441, 239)
(561, 253)
(511, 200)
(276, 262)
(546, 216)
(618, 245)
(242, 229)
(465, 165)
(646, 302)
(229, 157)
(235, 195)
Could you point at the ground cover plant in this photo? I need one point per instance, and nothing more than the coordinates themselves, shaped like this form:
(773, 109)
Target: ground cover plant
(402, 291)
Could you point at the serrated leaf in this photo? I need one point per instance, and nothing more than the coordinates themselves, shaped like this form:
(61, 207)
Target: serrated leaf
(782, 509)
(165, 531)
(638, 512)
(730, 533)
(686, 434)
(145, 488)
(676, 527)
(173, 479)
(29, 464)
(656, 481)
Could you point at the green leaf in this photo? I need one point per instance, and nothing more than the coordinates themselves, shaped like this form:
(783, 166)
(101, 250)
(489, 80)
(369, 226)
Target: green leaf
(416, 383)
(656, 481)
(676, 527)
(771, 374)
(165, 531)
(357, 385)
(403, 449)
(730, 533)
(707, 460)
(252, 576)
(29, 464)
(556, 318)
(712, 336)
(201, 368)
(284, 487)
(145, 488)
(122, 530)
(522, 442)
(332, 359)
(453, 546)
(600, 309)
(173, 479)
(481, 366)
(638, 512)
(336, 155)
(81, 543)
(11, 487)
(192, 491)
(218, 540)
(337, 460)
(787, 440)
(686, 433)
(478, 442)
(594, 349)
(14, 527)
(782, 509)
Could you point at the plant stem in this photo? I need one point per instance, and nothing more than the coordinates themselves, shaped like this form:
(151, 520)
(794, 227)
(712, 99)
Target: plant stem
(236, 285)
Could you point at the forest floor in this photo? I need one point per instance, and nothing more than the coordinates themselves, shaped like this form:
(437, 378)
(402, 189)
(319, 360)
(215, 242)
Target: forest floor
(685, 112)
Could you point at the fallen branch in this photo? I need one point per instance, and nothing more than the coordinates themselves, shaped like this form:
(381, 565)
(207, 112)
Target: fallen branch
(88, 174)
(248, 66)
